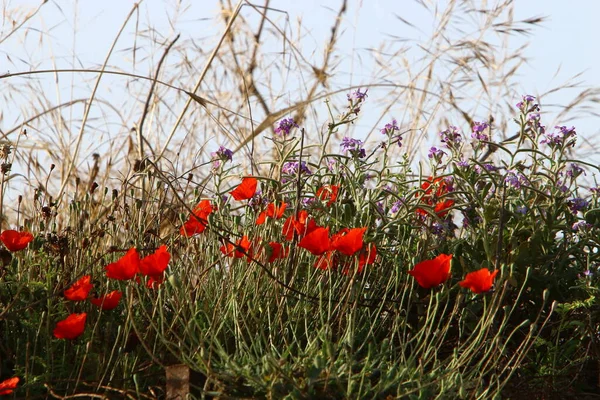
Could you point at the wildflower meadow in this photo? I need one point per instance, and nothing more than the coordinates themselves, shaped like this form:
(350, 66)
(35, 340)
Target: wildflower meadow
(319, 262)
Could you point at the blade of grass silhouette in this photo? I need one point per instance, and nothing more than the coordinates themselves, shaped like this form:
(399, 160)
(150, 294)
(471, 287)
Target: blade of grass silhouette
(88, 107)
(201, 78)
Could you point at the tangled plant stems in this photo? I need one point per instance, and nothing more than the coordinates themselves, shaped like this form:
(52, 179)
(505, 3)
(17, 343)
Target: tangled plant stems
(325, 274)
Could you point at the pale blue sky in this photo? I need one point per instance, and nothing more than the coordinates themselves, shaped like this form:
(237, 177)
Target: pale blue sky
(566, 44)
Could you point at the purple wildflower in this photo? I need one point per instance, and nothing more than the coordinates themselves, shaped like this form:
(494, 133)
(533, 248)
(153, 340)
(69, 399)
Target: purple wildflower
(390, 128)
(436, 154)
(356, 98)
(463, 163)
(307, 201)
(515, 178)
(285, 126)
(577, 204)
(331, 163)
(564, 136)
(291, 168)
(581, 226)
(396, 206)
(521, 210)
(354, 147)
(478, 131)
(223, 154)
(451, 136)
(524, 104)
(488, 167)
(574, 170)
(258, 201)
(357, 95)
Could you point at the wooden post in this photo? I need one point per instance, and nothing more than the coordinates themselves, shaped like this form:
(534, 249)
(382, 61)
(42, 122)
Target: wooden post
(178, 381)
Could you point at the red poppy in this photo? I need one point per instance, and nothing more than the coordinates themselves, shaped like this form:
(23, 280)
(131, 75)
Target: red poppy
(7, 386)
(14, 240)
(367, 256)
(435, 191)
(237, 250)
(245, 190)
(79, 290)
(328, 192)
(198, 221)
(126, 267)
(70, 327)
(155, 281)
(329, 260)
(156, 263)
(300, 224)
(108, 301)
(317, 241)
(272, 211)
(431, 273)
(277, 251)
(479, 281)
(441, 207)
(348, 241)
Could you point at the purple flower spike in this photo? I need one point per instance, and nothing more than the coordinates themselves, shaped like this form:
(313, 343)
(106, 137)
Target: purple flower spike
(354, 147)
(451, 136)
(285, 126)
(436, 154)
(478, 131)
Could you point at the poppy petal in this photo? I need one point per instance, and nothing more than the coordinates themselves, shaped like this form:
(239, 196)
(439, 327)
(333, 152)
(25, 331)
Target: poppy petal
(245, 190)
(80, 290)
(70, 327)
(317, 241)
(126, 267)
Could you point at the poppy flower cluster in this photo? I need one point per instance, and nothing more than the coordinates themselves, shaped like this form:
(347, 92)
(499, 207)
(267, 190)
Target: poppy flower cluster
(272, 211)
(130, 265)
(15, 240)
(434, 272)
(242, 248)
(127, 267)
(298, 225)
(331, 250)
(435, 194)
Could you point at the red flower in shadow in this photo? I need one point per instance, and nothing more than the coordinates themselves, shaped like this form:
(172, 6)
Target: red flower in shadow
(431, 273)
(198, 221)
(14, 240)
(108, 301)
(80, 290)
(300, 225)
(328, 192)
(7, 386)
(435, 194)
(276, 251)
(245, 190)
(70, 327)
(367, 256)
(238, 250)
(480, 281)
(272, 211)
(348, 241)
(126, 267)
(317, 241)
(329, 260)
